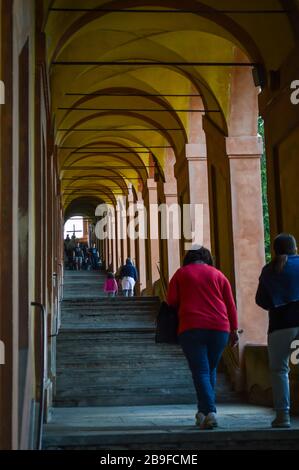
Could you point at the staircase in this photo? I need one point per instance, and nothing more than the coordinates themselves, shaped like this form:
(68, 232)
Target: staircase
(107, 356)
(116, 388)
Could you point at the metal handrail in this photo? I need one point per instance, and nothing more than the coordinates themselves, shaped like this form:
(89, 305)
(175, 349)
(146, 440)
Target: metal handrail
(61, 284)
(56, 328)
(56, 316)
(43, 378)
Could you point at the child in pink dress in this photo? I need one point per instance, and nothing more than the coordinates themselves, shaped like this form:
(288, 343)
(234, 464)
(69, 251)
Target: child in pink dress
(110, 286)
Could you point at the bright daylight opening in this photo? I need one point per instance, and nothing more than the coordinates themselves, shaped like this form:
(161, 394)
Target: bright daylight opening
(74, 226)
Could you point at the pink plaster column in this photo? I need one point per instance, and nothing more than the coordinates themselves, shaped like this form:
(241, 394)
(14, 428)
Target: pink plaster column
(196, 155)
(109, 242)
(244, 155)
(106, 251)
(153, 233)
(141, 263)
(170, 195)
(118, 237)
(125, 249)
(131, 213)
(173, 241)
(122, 228)
(113, 241)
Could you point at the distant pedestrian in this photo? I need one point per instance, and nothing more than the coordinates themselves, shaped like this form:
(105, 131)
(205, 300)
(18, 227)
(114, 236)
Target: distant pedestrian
(94, 256)
(67, 242)
(87, 261)
(110, 286)
(78, 256)
(118, 280)
(129, 277)
(278, 292)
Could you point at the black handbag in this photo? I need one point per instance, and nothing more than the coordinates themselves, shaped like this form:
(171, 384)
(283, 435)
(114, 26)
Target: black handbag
(167, 325)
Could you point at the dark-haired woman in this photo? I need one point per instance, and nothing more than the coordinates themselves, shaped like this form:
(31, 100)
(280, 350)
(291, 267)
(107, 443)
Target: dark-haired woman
(278, 292)
(207, 318)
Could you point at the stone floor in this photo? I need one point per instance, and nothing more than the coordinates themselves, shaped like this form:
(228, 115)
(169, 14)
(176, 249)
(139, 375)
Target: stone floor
(237, 417)
(170, 426)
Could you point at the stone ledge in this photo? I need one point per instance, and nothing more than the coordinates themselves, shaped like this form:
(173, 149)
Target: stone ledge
(258, 379)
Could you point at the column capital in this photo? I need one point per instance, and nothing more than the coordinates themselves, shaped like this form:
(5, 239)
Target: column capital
(130, 197)
(139, 196)
(170, 190)
(196, 151)
(150, 188)
(151, 184)
(121, 201)
(244, 147)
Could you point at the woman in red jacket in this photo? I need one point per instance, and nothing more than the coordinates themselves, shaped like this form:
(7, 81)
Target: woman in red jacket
(207, 318)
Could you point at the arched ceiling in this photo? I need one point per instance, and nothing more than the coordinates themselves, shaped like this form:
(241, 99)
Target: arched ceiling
(82, 206)
(115, 118)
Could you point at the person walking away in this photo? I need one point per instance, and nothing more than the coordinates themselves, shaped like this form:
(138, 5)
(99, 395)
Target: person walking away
(67, 242)
(207, 318)
(129, 276)
(78, 256)
(88, 263)
(278, 292)
(94, 256)
(110, 286)
(118, 280)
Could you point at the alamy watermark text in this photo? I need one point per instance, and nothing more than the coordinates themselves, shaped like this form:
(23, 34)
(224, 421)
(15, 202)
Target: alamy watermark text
(2, 353)
(2, 92)
(295, 93)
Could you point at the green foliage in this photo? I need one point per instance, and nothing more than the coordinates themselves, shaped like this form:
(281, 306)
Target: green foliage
(264, 193)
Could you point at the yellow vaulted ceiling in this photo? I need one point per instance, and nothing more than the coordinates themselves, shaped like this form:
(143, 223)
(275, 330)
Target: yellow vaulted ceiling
(114, 122)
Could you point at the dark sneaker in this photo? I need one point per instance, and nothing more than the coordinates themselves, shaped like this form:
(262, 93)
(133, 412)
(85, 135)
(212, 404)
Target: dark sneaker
(282, 420)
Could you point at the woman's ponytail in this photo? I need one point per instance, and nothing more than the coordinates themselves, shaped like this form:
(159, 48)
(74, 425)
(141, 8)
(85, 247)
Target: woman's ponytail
(279, 263)
(284, 245)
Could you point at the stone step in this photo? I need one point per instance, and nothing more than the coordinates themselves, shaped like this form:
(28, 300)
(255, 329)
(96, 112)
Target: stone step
(105, 327)
(150, 378)
(91, 312)
(100, 310)
(112, 304)
(107, 355)
(110, 314)
(113, 300)
(168, 427)
(110, 319)
(174, 439)
(91, 315)
(92, 318)
(119, 366)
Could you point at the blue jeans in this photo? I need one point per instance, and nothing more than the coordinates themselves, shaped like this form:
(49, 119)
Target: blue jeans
(203, 350)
